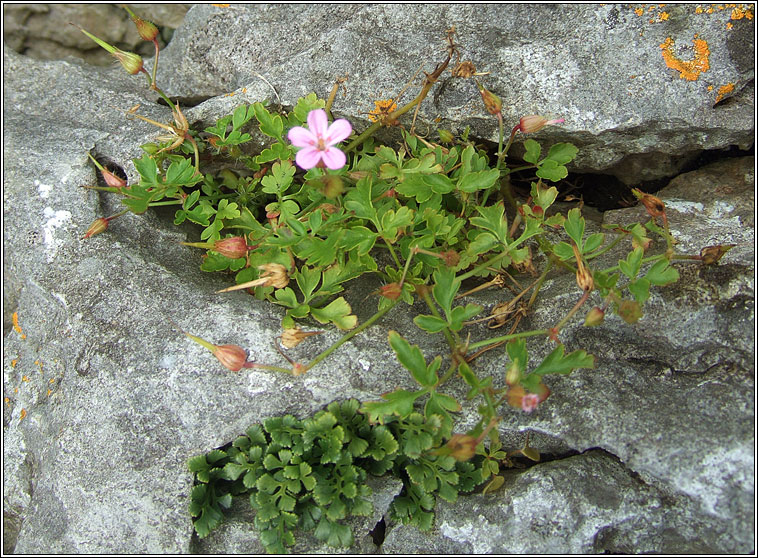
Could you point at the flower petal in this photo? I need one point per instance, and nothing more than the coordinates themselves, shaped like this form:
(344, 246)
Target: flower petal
(308, 157)
(301, 137)
(333, 158)
(318, 123)
(338, 131)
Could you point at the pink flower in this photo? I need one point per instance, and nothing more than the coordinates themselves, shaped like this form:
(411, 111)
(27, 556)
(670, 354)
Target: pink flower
(318, 142)
(529, 402)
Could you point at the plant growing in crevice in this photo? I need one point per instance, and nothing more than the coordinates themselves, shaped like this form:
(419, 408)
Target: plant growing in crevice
(295, 227)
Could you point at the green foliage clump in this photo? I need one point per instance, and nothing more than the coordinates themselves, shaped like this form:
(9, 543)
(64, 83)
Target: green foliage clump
(310, 474)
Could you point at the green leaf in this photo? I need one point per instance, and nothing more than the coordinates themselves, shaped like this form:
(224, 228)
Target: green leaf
(533, 150)
(630, 311)
(574, 226)
(430, 324)
(562, 153)
(593, 242)
(480, 180)
(270, 125)
(227, 210)
(148, 170)
(446, 286)
(411, 357)
(563, 250)
(393, 220)
(493, 219)
(662, 274)
(358, 200)
(337, 312)
(557, 363)
(544, 197)
(307, 279)
(517, 352)
(550, 170)
(631, 266)
(640, 288)
(399, 402)
(460, 314)
(358, 238)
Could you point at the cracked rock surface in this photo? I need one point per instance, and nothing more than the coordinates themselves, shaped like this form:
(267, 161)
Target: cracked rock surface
(651, 451)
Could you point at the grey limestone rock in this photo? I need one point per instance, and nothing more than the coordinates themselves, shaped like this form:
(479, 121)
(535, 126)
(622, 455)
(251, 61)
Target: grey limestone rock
(107, 400)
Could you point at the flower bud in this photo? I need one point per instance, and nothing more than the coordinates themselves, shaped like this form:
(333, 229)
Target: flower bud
(492, 102)
(712, 254)
(329, 185)
(112, 180)
(233, 357)
(583, 275)
(97, 226)
(513, 374)
(391, 291)
(446, 136)
(131, 62)
(233, 247)
(146, 29)
(534, 123)
(594, 317)
(450, 257)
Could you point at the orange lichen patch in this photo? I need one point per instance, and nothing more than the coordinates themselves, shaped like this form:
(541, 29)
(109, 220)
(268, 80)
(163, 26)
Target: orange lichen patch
(698, 10)
(220, 5)
(739, 12)
(16, 326)
(725, 90)
(382, 109)
(710, 88)
(639, 11)
(14, 362)
(24, 378)
(663, 16)
(690, 69)
(22, 416)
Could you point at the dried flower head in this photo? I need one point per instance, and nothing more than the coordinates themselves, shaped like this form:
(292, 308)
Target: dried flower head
(465, 69)
(462, 447)
(712, 254)
(293, 336)
(274, 275)
(382, 109)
